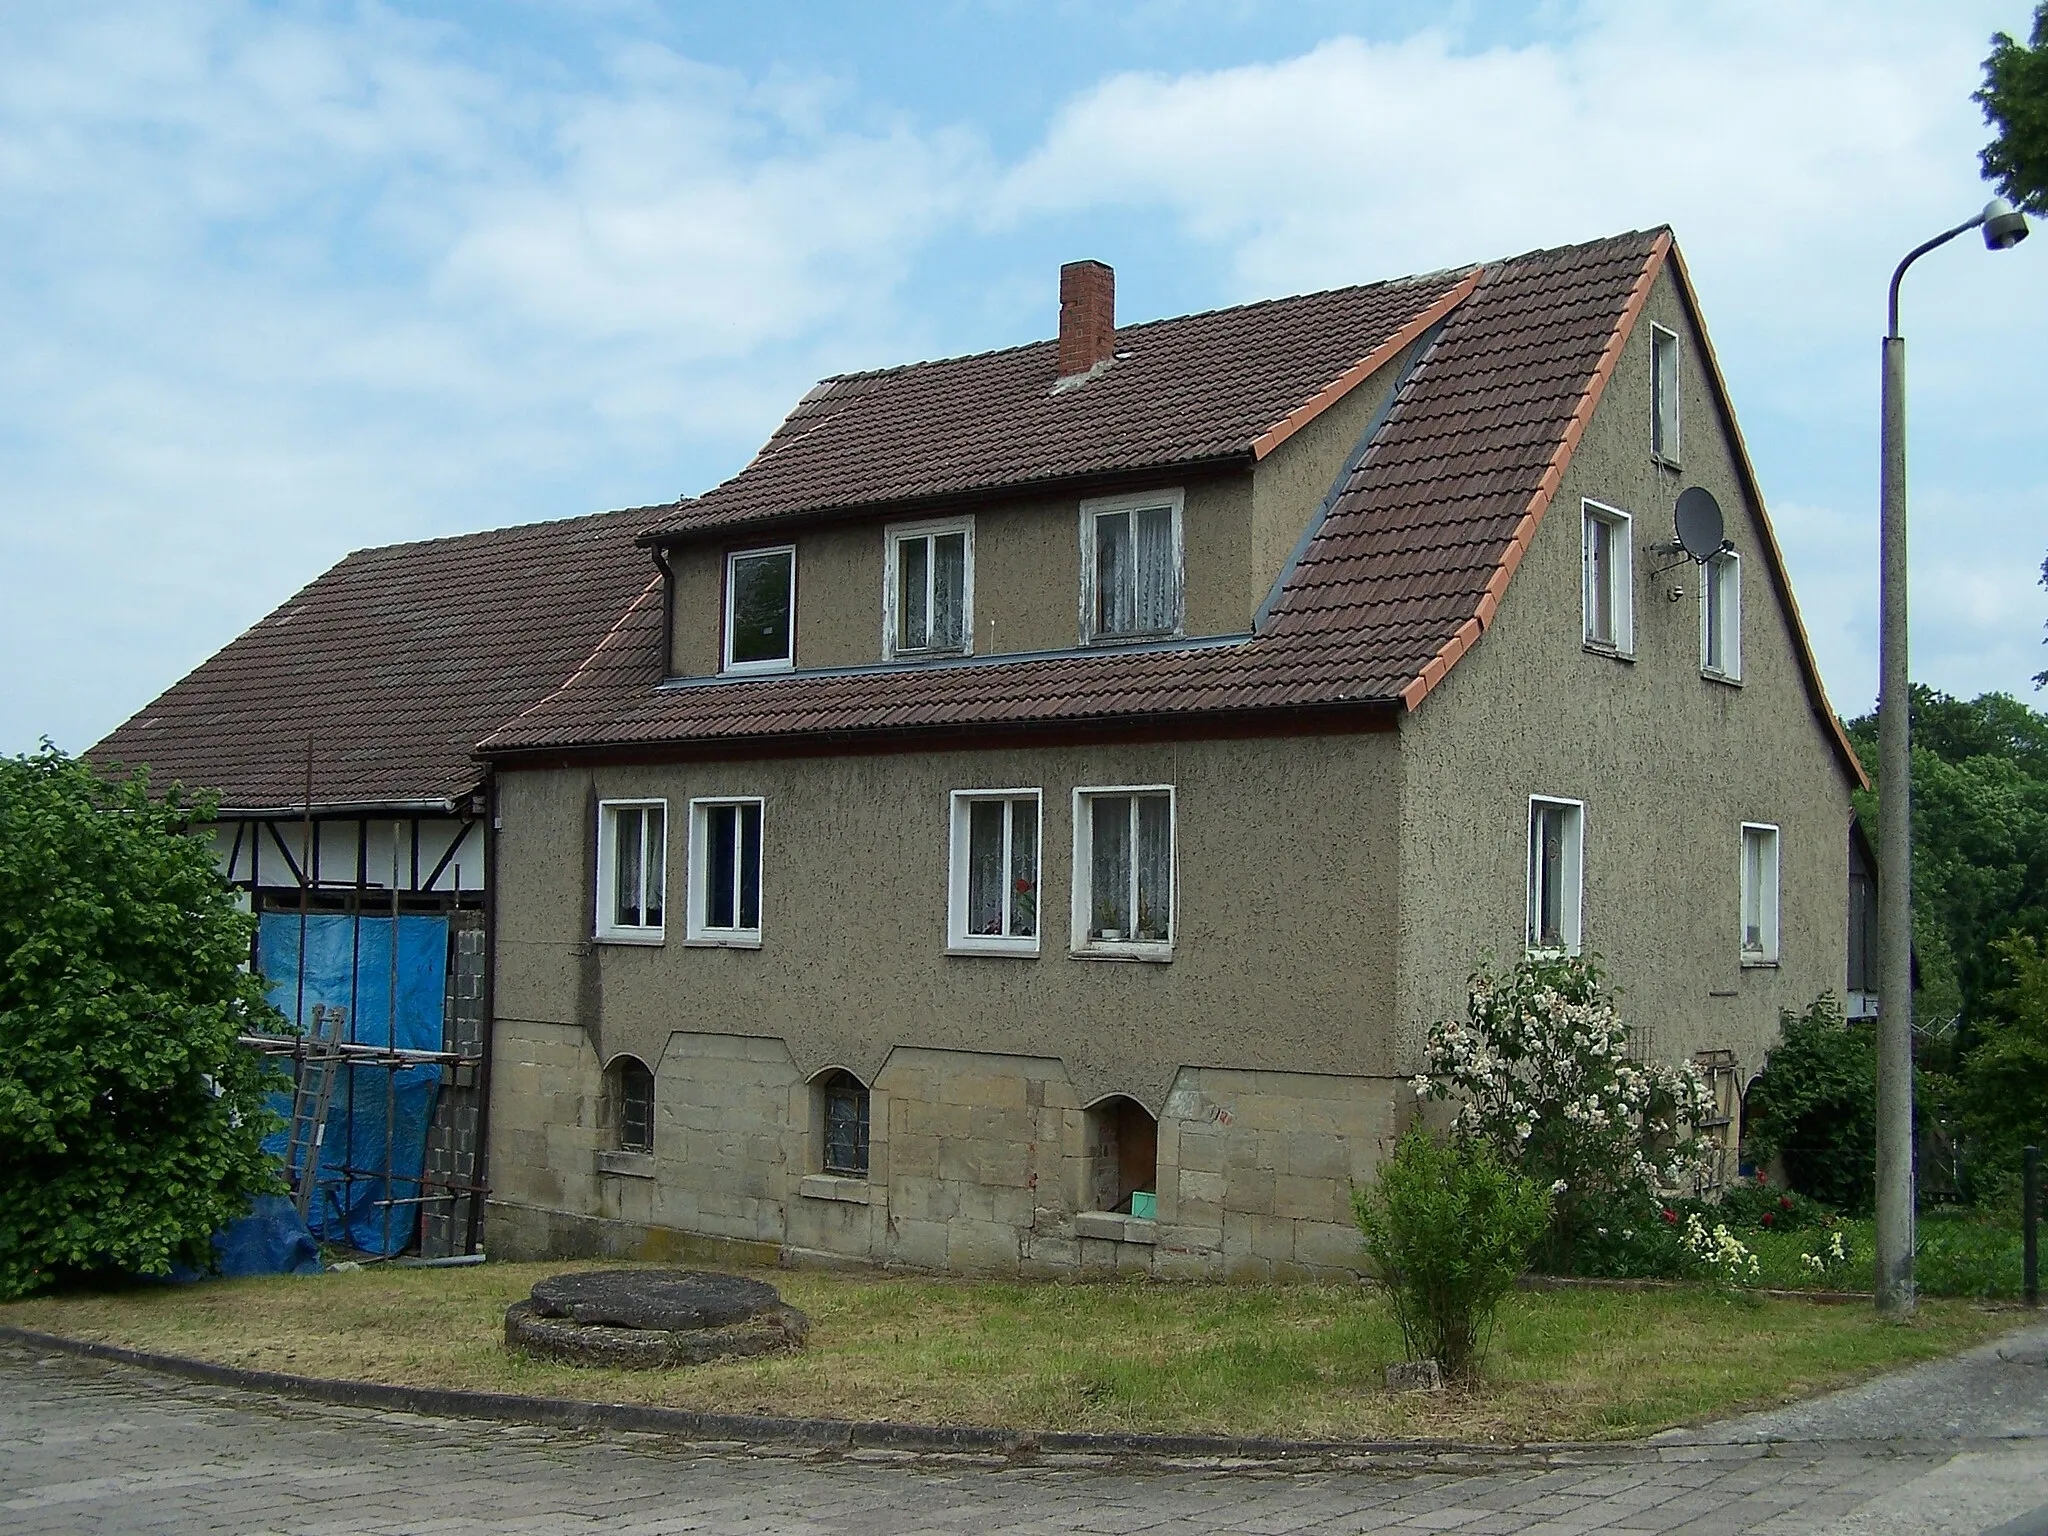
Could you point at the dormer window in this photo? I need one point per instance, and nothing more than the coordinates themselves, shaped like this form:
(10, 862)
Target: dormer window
(760, 609)
(928, 597)
(1131, 567)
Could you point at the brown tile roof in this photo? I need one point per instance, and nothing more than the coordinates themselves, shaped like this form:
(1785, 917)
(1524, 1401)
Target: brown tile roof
(1229, 383)
(1400, 578)
(395, 662)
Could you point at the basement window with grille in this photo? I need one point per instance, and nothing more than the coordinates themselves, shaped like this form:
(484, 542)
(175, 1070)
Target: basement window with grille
(843, 1125)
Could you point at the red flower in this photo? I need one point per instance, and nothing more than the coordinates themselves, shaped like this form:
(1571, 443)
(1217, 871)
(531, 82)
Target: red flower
(1769, 1217)
(1762, 1177)
(1669, 1214)
(1784, 1202)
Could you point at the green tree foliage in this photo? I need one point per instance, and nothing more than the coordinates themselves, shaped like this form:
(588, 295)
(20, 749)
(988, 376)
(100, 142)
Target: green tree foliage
(2015, 103)
(2005, 1076)
(1816, 1106)
(1980, 841)
(1449, 1228)
(129, 1117)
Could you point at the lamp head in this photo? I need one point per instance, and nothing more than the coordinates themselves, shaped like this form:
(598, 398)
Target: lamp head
(2004, 225)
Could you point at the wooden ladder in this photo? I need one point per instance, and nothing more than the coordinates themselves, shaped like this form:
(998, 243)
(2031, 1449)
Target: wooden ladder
(310, 1100)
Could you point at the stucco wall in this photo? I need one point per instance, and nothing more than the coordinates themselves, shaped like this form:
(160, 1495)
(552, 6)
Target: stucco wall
(1283, 958)
(1669, 764)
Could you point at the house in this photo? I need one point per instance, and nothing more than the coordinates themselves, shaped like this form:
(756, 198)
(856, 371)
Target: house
(338, 732)
(1034, 809)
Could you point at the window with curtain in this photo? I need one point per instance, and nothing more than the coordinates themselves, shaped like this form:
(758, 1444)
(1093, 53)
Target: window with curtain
(631, 868)
(930, 592)
(1131, 568)
(994, 894)
(1123, 868)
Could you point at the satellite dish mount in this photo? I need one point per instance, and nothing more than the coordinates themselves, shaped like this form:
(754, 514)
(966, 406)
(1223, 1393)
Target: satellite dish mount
(1698, 531)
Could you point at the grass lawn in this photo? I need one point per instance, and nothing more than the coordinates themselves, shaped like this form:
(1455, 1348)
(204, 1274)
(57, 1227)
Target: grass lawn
(1284, 1360)
(1958, 1253)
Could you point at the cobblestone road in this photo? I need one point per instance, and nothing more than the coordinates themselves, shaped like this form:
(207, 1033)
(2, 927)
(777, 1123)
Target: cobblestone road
(87, 1447)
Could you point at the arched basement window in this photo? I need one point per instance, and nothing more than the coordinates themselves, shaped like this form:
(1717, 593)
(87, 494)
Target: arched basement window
(843, 1124)
(629, 1094)
(1123, 1157)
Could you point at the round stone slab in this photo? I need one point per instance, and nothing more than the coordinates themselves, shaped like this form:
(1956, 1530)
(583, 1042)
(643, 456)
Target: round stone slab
(668, 1299)
(771, 1332)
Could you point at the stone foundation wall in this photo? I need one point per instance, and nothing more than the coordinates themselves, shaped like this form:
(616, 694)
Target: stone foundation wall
(978, 1163)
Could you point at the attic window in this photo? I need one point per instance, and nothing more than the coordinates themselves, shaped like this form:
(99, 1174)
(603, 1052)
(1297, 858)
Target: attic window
(928, 590)
(760, 609)
(1131, 567)
(1610, 581)
(1664, 394)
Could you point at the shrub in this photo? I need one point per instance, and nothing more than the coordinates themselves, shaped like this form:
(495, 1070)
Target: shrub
(1757, 1203)
(1449, 1227)
(1815, 1106)
(2005, 1075)
(1541, 1070)
(1720, 1254)
(130, 1120)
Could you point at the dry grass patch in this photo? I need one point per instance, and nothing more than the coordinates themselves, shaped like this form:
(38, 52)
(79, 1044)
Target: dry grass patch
(1300, 1360)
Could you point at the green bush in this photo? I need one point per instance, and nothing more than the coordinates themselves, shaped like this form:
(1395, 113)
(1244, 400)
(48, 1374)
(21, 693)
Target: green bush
(1964, 1254)
(1758, 1204)
(2005, 1076)
(1815, 1106)
(130, 1120)
(1450, 1228)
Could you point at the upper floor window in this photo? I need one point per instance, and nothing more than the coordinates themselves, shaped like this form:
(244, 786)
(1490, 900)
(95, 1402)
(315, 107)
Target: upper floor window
(1123, 870)
(1664, 393)
(928, 590)
(760, 609)
(1610, 584)
(994, 896)
(1759, 894)
(632, 849)
(725, 872)
(1557, 852)
(1721, 616)
(1131, 566)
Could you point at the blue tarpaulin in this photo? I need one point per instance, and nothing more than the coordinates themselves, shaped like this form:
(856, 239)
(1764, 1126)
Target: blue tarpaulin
(270, 1240)
(377, 1122)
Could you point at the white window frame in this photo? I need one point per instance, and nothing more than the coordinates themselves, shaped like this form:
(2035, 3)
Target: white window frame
(699, 930)
(1730, 670)
(1175, 500)
(892, 569)
(1621, 577)
(607, 868)
(1572, 919)
(1767, 897)
(773, 664)
(958, 939)
(1664, 446)
(1079, 944)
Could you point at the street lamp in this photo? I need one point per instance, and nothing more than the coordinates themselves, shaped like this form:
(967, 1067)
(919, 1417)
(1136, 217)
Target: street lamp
(2004, 228)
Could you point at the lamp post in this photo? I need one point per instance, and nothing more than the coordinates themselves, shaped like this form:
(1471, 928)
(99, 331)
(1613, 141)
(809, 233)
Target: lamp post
(2003, 228)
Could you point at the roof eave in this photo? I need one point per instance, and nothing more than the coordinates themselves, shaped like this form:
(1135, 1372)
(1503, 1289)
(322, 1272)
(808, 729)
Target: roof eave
(778, 522)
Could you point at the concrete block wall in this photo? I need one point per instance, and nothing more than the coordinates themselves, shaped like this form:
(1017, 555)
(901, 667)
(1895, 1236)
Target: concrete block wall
(978, 1164)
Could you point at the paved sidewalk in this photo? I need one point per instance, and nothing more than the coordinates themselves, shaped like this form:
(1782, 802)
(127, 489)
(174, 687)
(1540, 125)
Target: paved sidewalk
(87, 1447)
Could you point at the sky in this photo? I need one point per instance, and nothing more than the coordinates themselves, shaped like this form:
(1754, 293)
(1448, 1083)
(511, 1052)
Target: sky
(282, 281)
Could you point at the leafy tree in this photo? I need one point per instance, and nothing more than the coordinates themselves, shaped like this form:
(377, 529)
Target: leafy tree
(129, 1117)
(1980, 842)
(2005, 1077)
(2015, 103)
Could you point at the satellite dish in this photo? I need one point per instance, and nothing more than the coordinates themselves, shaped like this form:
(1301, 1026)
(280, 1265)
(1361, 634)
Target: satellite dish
(1697, 518)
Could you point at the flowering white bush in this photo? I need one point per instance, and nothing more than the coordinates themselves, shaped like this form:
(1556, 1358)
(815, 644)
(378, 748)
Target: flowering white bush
(1723, 1254)
(1833, 1260)
(1540, 1068)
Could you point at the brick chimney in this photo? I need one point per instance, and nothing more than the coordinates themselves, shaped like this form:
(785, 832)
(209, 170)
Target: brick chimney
(1087, 316)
